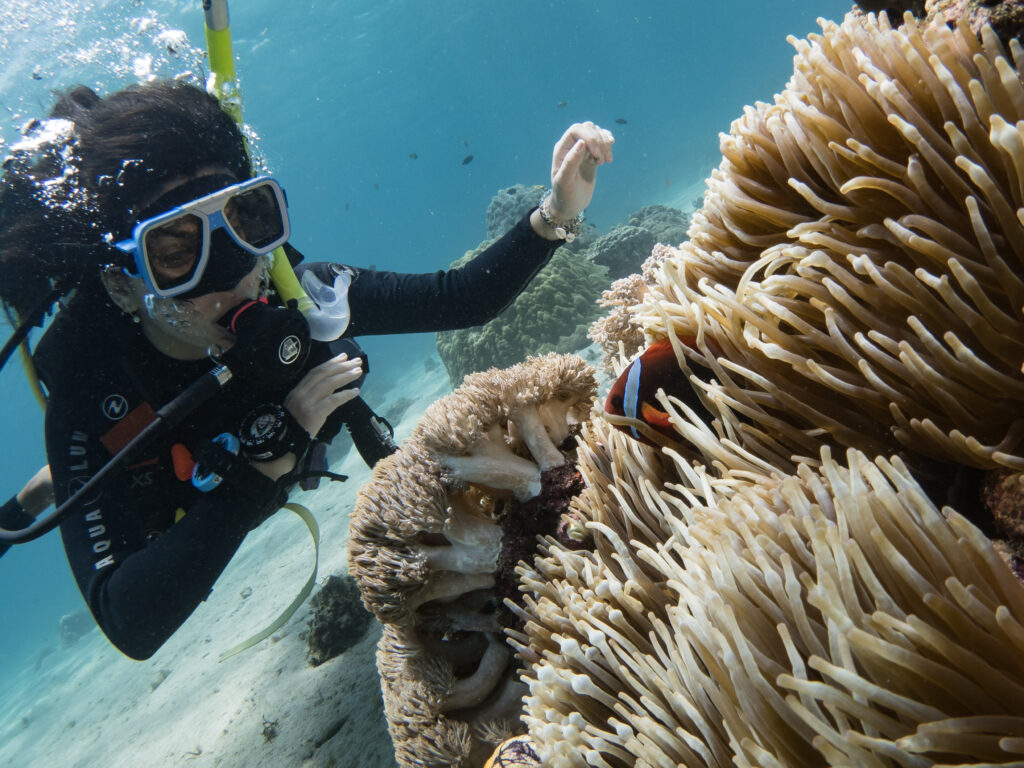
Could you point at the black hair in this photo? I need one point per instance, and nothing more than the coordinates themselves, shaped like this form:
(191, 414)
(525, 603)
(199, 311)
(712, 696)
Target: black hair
(57, 207)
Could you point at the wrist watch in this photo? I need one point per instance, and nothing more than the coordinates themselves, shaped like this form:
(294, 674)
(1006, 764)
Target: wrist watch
(269, 432)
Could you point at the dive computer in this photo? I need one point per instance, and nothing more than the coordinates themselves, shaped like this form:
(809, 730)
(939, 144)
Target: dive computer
(269, 432)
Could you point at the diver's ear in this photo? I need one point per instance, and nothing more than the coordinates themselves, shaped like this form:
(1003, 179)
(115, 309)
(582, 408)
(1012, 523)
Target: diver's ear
(121, 289)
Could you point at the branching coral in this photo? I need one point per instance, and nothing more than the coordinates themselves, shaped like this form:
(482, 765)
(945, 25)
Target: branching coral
(834, 616)
(859, 258)
(435, 536)
(621, 326)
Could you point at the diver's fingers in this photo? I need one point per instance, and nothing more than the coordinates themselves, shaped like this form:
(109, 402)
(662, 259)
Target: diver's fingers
(323, 389)
(339, 398)
(311, 411)
(562, 148)
(598, 141)
(322, 375)
(602, 142)
(339, 376)
(339, 362)
(579, 160)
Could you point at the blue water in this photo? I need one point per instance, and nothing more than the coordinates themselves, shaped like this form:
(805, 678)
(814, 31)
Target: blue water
(341, 92)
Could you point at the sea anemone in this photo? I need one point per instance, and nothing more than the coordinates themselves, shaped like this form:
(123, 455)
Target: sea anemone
(833, 616)
(858, 259)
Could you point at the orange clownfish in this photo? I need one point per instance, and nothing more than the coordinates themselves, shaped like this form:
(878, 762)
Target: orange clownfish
(633, 393)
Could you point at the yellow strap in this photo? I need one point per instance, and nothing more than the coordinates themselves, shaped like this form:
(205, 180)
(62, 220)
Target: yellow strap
(30, 373)
(314, 531)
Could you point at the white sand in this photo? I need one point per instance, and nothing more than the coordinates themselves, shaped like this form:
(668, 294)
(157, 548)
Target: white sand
(90, 706)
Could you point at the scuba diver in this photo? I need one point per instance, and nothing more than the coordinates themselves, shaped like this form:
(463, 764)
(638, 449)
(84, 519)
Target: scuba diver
(142, 214)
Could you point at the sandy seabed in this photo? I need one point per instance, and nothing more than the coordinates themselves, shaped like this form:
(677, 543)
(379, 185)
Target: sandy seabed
(91, 706)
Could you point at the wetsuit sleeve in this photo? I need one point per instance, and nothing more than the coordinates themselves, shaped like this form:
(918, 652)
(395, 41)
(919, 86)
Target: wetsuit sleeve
(13, 518)
(141, 591)
(392, 302)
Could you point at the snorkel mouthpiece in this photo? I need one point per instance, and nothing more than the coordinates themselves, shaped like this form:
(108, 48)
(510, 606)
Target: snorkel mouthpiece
(272, 346)
(330, 318)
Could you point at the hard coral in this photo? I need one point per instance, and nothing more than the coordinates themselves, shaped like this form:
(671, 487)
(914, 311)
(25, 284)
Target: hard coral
(666, 224)
(622, 250)
(621, 326)
(487, 470)
(509, 205)
(337, 621)
(551, 315)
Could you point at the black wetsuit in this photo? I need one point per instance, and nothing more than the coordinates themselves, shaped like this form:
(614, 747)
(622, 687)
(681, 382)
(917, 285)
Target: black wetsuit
(147, 547)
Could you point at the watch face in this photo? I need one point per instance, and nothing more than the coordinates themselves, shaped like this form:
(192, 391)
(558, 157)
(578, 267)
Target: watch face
(262, 427)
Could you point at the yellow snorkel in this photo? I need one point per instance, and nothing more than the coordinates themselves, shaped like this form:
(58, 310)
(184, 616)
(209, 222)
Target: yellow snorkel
(223, 84)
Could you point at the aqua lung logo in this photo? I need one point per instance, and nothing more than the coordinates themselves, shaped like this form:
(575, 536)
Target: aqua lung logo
(115, 407)
(289, 349)
(76, 483)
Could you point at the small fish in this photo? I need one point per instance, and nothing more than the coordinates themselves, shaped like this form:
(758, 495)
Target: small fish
(376, 185)
(465, 143)
(413, 156)
(467, 160)
(348, 206)
(562, 104)
(621, 120)
(633, 394)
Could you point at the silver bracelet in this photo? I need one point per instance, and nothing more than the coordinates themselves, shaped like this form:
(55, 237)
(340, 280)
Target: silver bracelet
(565, 230)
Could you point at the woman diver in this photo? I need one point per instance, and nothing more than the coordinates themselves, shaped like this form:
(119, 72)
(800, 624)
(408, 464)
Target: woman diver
(145, 217)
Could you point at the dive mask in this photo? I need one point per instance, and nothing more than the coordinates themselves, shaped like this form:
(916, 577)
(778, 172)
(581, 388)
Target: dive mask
(242, 221)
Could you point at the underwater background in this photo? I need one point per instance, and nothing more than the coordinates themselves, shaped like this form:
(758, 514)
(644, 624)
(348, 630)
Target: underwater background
(368, 113)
